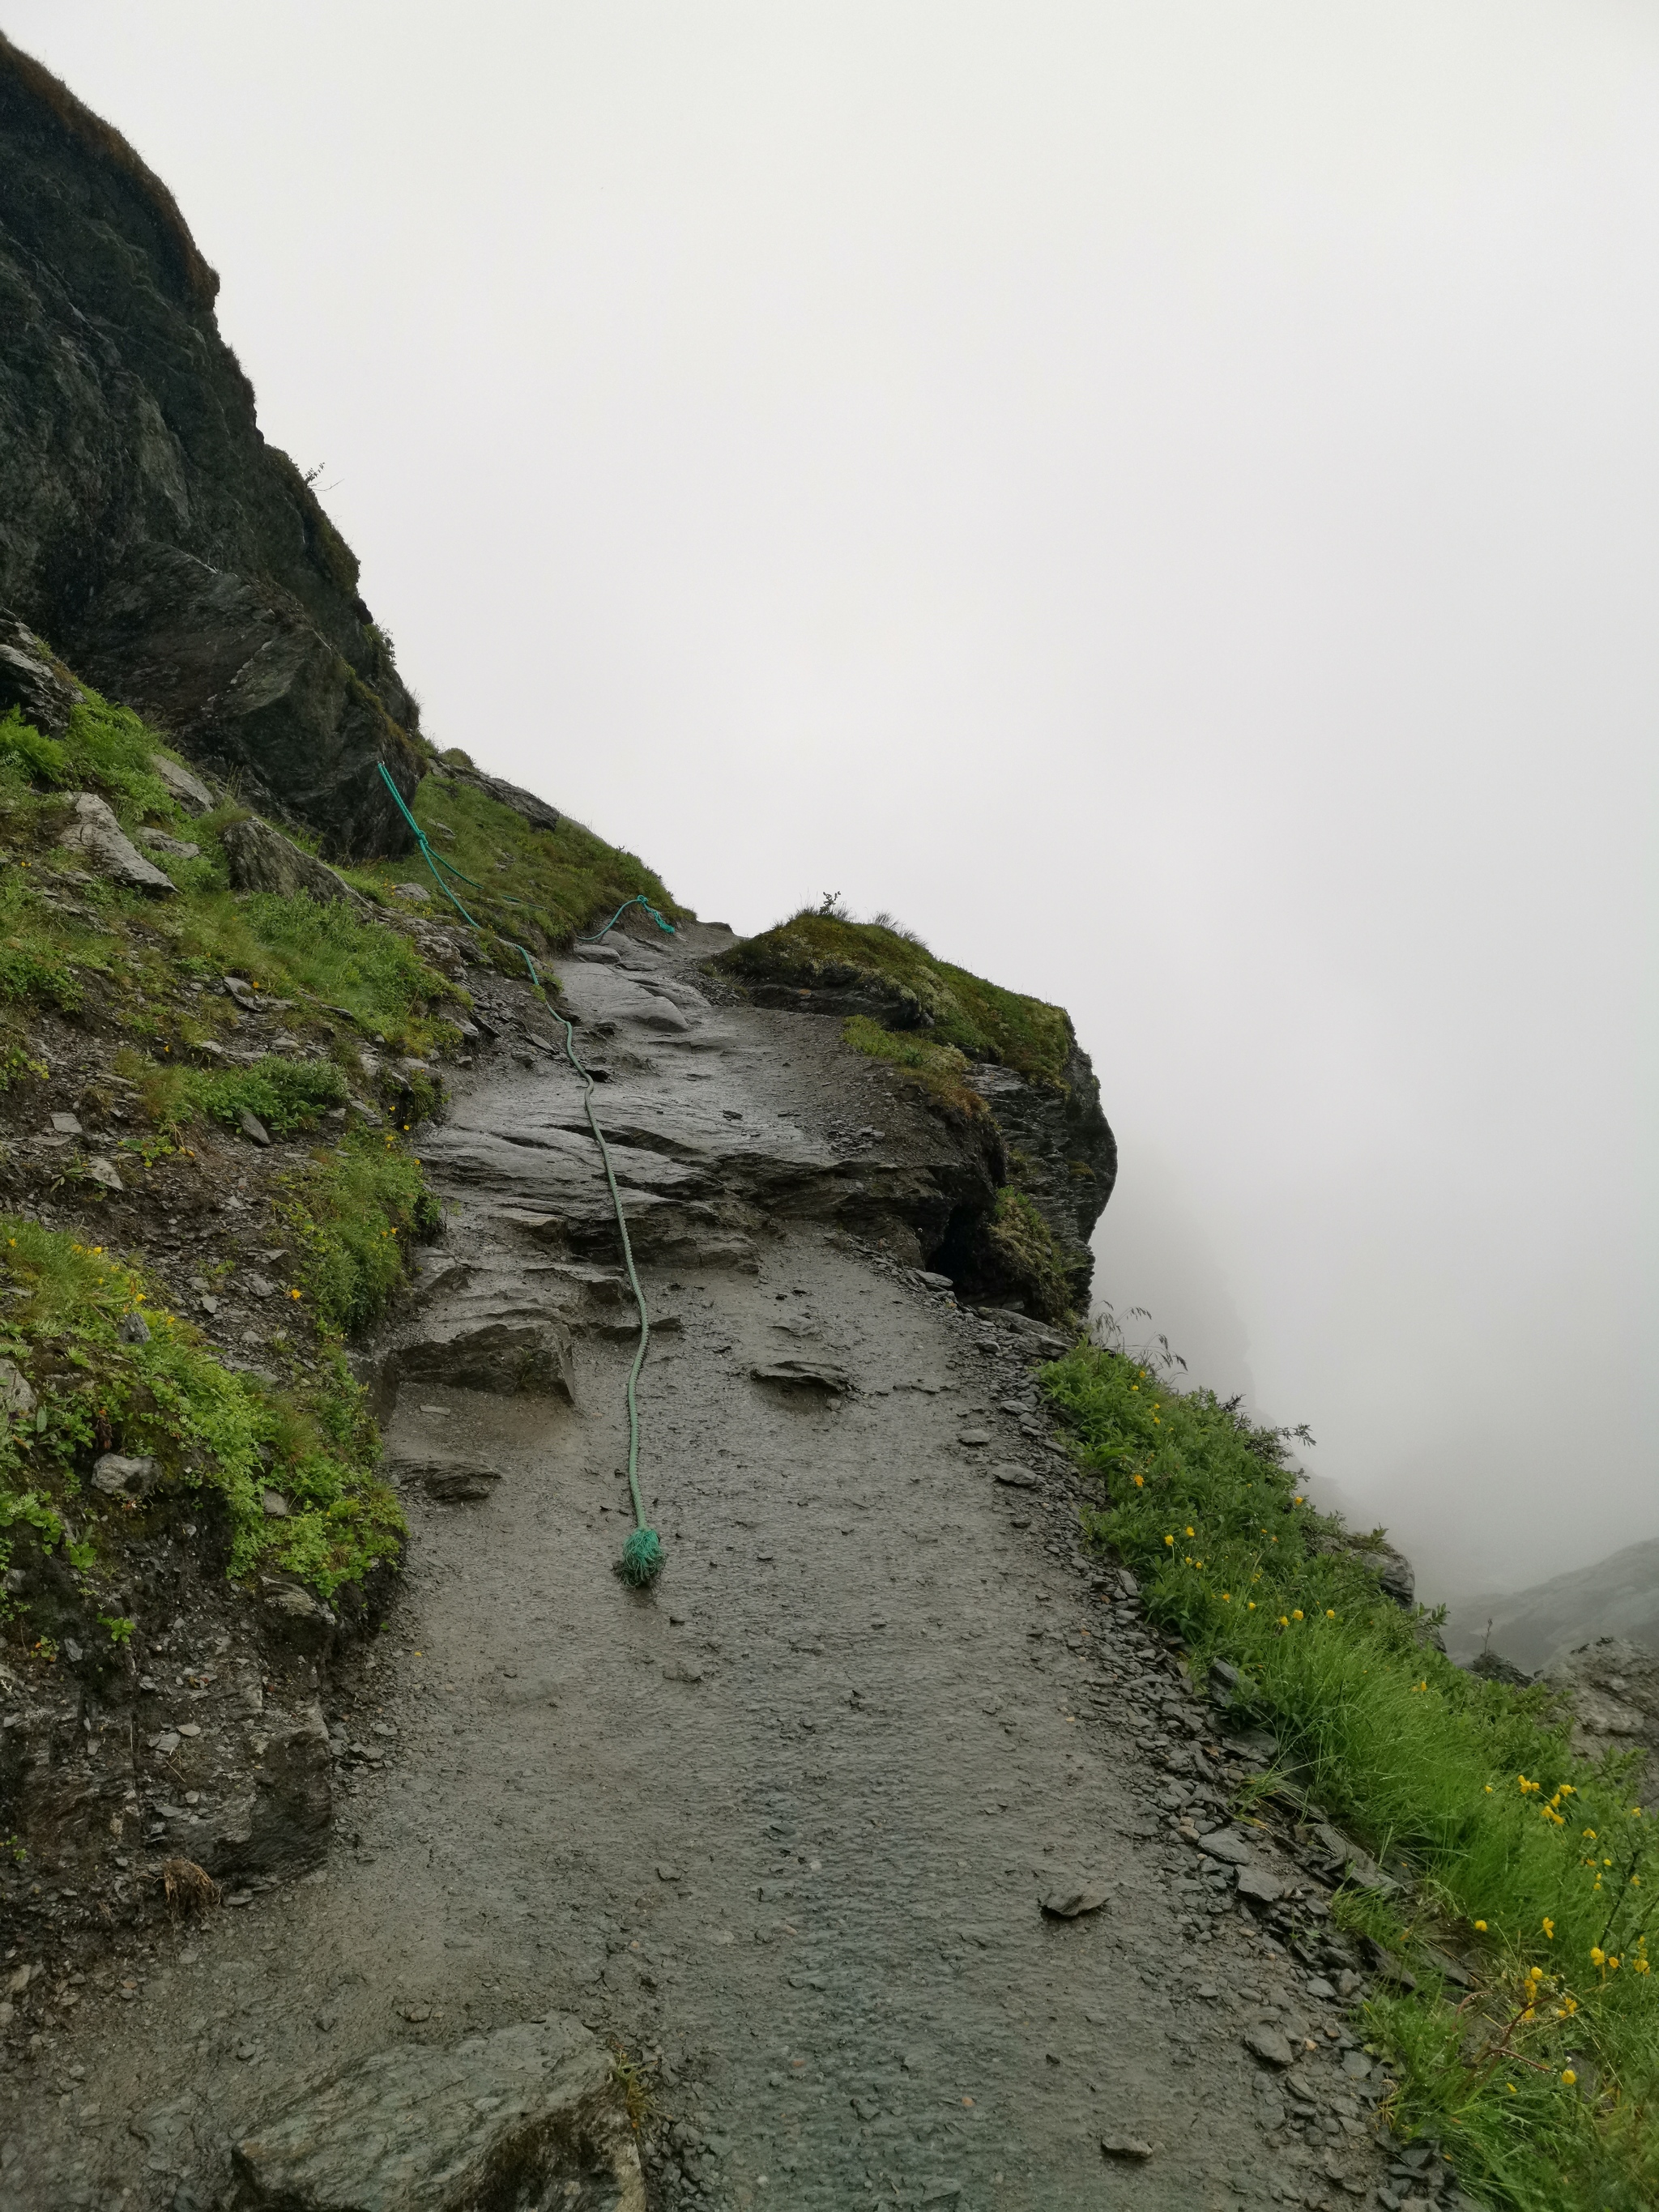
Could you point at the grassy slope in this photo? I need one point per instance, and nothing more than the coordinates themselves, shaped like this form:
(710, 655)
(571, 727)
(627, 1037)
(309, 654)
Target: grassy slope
(566, 880)
(149, 972)
(1536, 1865)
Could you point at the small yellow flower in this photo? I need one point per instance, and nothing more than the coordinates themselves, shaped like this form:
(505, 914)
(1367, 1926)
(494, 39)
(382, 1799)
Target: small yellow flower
(1295, 1613)
(1549, 1928)
(1568, 2075)
(1226, 1597)
(1252, 1604)
(1598, 1956)
(1170, 1541)
(1283, 1620)
(1330, 1613)
(1479, 1927)
(1140, 1482)
(1192, 1532)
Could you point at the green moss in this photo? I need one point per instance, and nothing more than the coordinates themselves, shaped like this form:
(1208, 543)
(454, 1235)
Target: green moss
(1466, 1787)
(210, 1427)
(939, 1069)
(1030, 1257)
(816, 952)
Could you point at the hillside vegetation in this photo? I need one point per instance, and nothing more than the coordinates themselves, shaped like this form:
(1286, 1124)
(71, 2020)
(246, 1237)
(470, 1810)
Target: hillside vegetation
(127, 990)
(1539, 2080)
(538, 886)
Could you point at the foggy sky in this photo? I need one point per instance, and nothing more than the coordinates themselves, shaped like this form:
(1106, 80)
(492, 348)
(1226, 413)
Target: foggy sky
(1162, 497)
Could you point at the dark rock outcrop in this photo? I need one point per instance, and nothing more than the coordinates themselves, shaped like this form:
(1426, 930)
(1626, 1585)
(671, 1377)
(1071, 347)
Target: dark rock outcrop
(1023, 1240)
(260, 858)
(29, 681)
(147, 530)
(1061, 1152)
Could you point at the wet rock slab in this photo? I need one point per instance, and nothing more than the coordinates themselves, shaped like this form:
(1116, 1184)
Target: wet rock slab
(519, 2121)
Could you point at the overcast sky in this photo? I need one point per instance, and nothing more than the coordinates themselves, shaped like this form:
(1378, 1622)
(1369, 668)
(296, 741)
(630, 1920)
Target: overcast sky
(1162, 496)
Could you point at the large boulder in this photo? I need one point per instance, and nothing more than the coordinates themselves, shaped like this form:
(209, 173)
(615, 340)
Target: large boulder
(1613, 1687)
(174, 559)
(103, 844)
(260, 858)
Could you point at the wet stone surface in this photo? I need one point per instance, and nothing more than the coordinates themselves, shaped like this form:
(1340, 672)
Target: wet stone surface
(781, 1830)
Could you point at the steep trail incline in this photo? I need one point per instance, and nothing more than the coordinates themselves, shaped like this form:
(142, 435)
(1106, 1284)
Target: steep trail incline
(782, 1827)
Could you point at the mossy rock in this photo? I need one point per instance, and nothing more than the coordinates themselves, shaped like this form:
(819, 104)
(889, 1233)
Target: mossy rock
(820, 963)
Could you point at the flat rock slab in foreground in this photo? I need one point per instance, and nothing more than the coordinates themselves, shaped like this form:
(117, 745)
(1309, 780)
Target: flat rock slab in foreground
(520, 2121)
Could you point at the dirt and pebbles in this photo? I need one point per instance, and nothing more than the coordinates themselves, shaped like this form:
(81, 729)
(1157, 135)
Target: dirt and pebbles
(778, 1832)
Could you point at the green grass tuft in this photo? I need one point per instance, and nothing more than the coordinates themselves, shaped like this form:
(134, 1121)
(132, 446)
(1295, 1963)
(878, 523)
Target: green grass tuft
(210, 1427)
(938, 1069)
(356, 1212)
(565, 880)
(1469, 1787)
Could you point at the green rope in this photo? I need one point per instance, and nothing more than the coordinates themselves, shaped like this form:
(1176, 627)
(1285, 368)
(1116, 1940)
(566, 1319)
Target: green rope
(642, 1555)
(638, 899)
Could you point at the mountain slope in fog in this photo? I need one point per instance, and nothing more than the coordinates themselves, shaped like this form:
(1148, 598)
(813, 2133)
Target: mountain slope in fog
(1617, 1596)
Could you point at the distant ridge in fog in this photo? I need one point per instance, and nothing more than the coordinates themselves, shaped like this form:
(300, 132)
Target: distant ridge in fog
(1617, 1596)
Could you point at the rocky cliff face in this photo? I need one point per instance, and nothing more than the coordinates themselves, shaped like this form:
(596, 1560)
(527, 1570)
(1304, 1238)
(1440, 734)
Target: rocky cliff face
(1006, 1072)
(179, 562)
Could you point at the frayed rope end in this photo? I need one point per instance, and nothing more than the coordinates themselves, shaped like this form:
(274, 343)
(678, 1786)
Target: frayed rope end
(641, 1559)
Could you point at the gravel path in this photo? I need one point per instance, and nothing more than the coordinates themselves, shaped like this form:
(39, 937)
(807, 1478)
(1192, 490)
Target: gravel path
(781, 1828)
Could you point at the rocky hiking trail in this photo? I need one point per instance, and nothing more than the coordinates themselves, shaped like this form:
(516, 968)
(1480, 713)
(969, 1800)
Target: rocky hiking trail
(878, 1855)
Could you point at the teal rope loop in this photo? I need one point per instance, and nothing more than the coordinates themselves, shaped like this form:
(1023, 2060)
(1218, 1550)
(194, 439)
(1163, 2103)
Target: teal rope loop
(642, 1555)
(638, 899)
